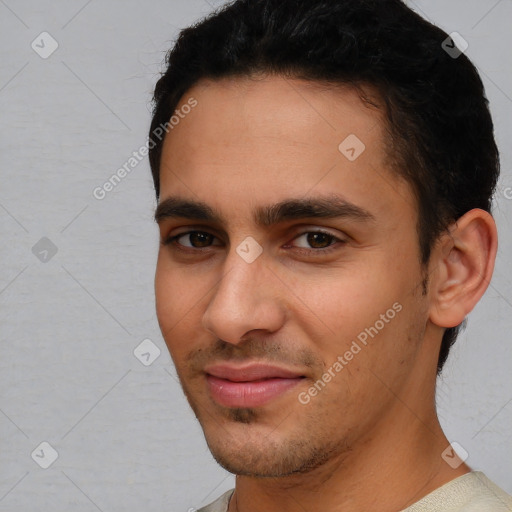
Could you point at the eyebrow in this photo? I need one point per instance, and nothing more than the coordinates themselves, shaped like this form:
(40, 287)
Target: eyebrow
(323, 207)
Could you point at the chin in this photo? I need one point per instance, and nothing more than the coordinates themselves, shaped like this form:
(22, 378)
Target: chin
(247, 450)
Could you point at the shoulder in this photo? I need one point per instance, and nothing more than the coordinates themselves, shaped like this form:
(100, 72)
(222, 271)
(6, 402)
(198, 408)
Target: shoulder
(219, 505)
(472, 492)
(487, 496)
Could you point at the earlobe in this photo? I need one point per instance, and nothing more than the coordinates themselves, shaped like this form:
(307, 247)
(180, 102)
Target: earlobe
(463, 266)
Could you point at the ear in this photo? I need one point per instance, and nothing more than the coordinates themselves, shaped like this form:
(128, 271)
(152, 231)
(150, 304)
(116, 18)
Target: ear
(462, 267)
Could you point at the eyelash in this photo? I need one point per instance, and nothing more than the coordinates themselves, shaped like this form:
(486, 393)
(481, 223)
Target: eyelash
(321, 251)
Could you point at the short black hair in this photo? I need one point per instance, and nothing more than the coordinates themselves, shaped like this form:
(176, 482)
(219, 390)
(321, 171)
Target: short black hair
(440, 130)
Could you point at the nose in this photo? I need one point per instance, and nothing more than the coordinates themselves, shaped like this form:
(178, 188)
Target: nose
(246, 299)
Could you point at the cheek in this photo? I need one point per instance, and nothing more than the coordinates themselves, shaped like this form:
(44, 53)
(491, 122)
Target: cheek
(353, 305)
(346, 298)
(178, 301)
(165, 295)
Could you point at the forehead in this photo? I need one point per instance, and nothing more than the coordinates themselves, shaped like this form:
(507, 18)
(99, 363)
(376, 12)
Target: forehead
(259, 140)
(297, 111)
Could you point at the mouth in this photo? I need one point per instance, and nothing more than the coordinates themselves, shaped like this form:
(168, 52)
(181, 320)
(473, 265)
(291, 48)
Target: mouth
(250, 385)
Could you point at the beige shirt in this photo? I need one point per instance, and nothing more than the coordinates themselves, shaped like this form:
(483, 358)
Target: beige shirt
(472, 492)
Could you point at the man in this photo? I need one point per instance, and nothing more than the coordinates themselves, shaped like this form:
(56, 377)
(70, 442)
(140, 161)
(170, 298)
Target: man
(324, 193)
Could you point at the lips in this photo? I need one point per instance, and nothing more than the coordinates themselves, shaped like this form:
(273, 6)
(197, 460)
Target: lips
(252, 385)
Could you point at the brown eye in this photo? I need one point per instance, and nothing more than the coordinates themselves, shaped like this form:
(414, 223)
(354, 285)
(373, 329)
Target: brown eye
(317, 240)
(200, 239)
(196, 239)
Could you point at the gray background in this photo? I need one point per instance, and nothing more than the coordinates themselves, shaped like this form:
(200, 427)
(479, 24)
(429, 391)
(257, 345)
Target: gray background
(70, 321)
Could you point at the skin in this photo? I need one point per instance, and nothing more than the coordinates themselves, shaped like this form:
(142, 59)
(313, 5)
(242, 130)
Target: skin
(370, 438)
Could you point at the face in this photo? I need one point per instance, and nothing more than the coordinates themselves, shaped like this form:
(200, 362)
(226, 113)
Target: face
(287, 286)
